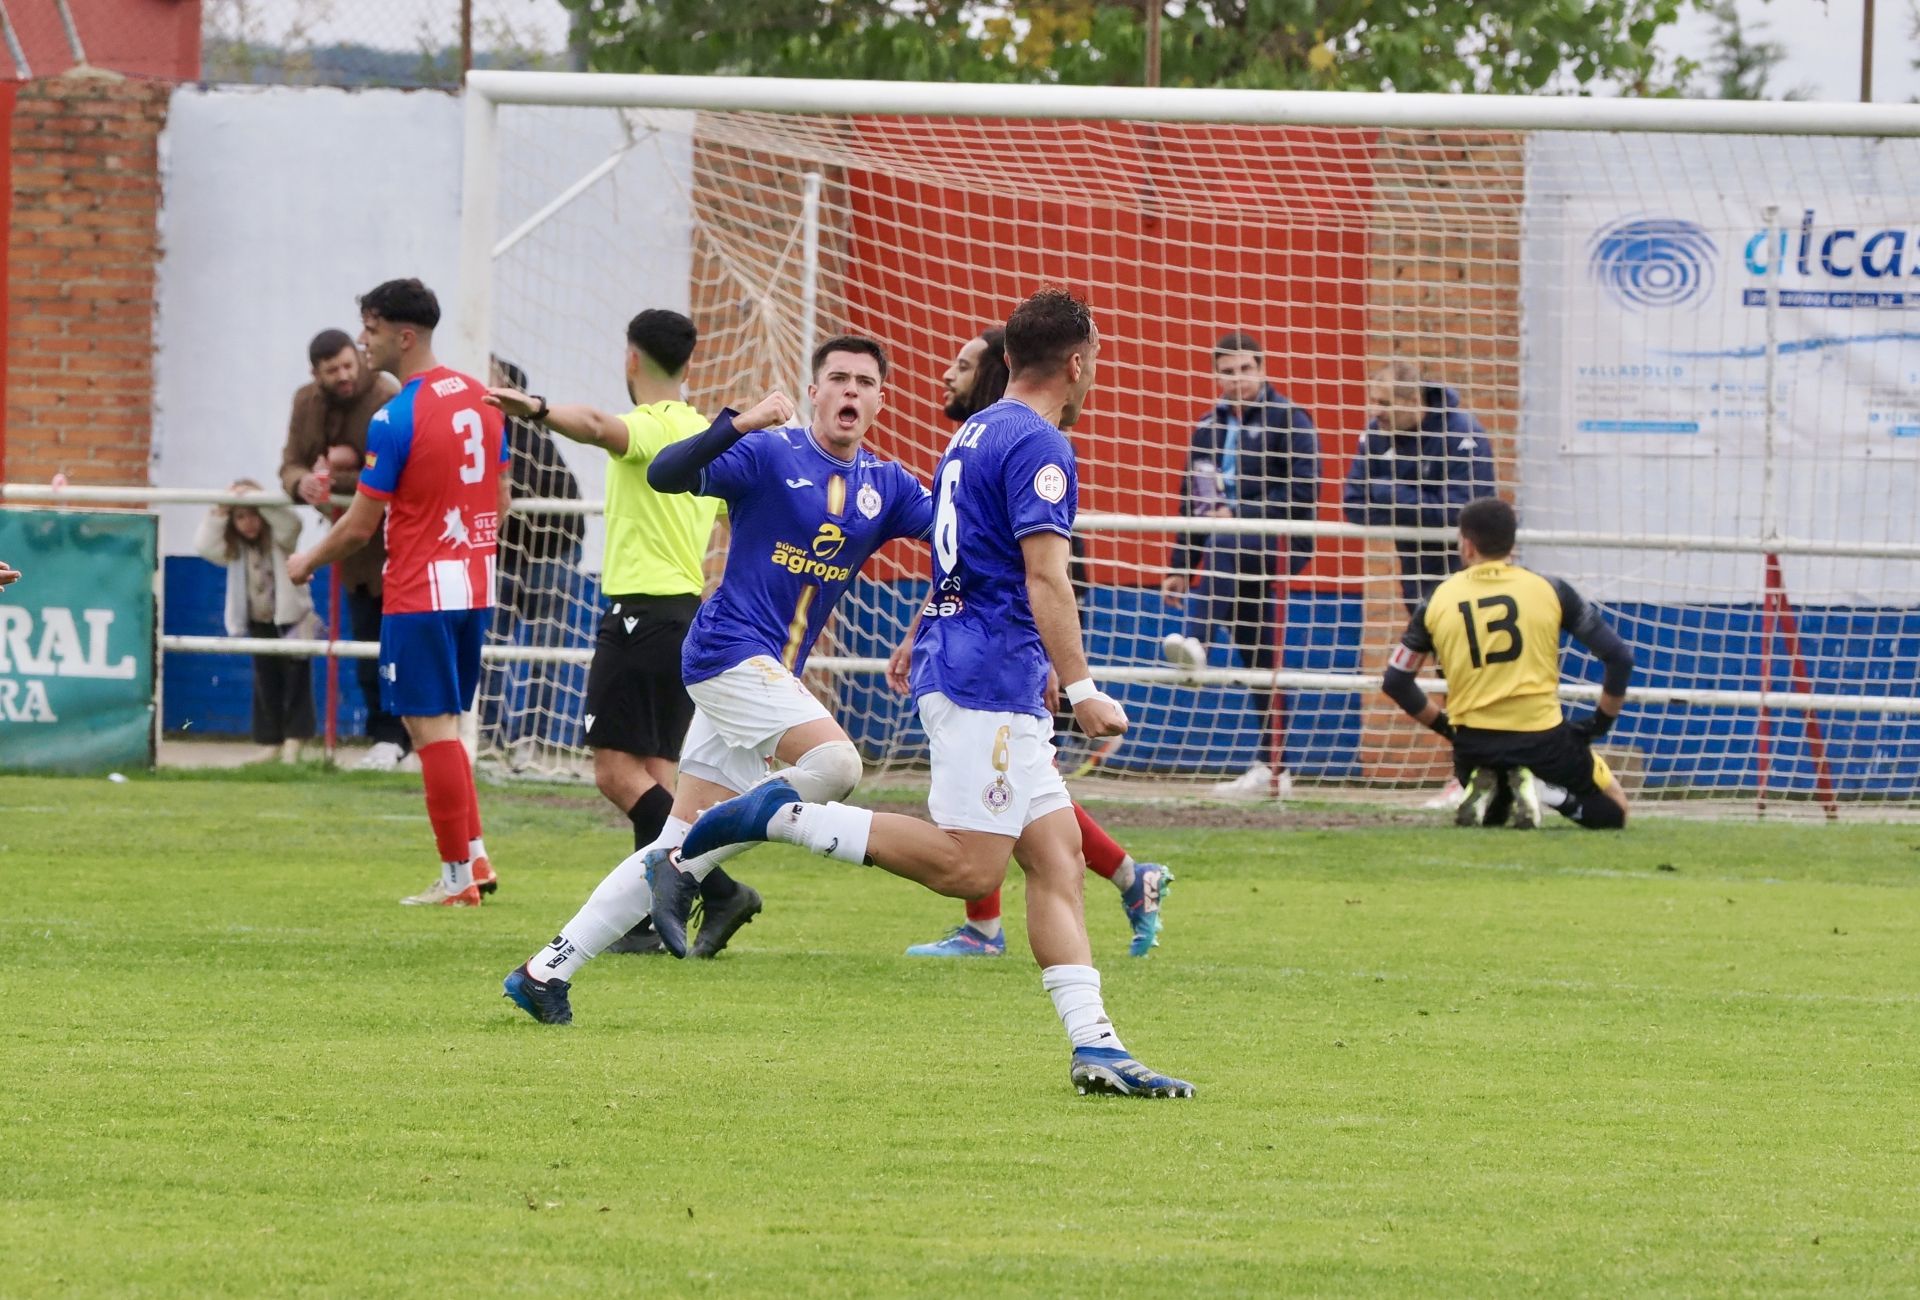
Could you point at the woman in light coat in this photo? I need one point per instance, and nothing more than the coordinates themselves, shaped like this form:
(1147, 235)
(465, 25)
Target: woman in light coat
(252, 544)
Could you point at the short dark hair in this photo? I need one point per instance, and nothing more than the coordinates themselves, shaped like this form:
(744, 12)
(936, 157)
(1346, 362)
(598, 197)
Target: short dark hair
(402, 302)
(855, 343)
(326, 346)
(1491, 525)
(663, 337)
(1046, 329)
(990, 376)
(1238, 341)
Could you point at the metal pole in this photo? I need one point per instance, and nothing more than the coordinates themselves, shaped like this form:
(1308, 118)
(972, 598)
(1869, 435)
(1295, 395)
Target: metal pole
(466, 39)
(1154, 8)
(1866, 53)
(478, 200)
(809, 279)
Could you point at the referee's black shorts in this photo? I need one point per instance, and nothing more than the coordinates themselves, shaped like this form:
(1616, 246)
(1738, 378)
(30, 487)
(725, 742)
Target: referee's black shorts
(1559, 755)
(636, 702)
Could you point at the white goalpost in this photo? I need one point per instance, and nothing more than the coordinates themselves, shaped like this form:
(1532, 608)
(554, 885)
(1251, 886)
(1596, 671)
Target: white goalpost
(1674, 333)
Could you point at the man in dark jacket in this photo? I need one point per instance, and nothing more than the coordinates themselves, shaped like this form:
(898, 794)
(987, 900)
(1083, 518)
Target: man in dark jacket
(1422, 459)
(1253, 456)
(326, 447)
(538, 557)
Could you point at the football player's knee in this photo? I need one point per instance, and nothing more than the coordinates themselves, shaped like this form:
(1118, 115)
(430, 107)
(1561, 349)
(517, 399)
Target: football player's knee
(826, 772)
(1601, 813)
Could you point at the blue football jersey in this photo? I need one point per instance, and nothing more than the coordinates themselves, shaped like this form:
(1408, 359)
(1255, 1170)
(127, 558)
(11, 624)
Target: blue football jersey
(1007, 473)
(803, 523)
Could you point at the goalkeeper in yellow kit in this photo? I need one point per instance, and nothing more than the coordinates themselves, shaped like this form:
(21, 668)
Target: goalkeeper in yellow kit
(1496, 629)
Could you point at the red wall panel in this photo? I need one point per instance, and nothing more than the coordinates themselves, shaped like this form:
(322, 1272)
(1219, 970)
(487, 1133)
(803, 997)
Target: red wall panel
(1265, 233)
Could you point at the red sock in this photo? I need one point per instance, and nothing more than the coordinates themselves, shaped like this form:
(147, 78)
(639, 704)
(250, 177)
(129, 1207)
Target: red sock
(473, 797)
(984, 909)
(1103, 855)
(450, 804)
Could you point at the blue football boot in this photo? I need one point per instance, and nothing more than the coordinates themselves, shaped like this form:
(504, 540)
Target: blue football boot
(962, 941)
(740, 820)
(1108, 1069)
(674, 894)
(1151, 883)
(545, 1002)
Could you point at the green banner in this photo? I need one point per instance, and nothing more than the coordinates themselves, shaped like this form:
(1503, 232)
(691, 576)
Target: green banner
(77, 640)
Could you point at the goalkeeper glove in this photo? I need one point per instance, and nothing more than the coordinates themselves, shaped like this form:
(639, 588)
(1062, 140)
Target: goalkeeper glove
(1595, 724)
(1442, 727)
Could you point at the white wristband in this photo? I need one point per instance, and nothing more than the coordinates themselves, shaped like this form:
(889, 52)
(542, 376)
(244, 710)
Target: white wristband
(1084, 689)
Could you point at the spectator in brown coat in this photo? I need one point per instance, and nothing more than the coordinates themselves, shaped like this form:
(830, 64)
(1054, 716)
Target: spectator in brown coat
(326, 445)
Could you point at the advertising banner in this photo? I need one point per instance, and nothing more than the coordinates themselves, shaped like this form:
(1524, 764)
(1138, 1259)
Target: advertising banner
(77, 640)
(1660, 273)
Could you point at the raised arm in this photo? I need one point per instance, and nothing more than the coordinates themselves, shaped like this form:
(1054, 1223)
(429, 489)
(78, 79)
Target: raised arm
(581, 423)
(678, 466)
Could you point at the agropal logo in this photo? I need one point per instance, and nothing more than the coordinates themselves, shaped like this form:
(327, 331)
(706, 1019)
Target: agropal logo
(1646, 262)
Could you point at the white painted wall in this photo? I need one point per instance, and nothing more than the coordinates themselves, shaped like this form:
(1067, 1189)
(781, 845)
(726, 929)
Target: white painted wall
(282, 204)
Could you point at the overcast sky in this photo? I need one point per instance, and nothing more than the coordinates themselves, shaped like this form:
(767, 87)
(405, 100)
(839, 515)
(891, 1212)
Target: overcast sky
(1822, 37)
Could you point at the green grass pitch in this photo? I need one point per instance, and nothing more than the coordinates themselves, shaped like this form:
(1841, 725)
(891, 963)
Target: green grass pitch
(1676, 1061)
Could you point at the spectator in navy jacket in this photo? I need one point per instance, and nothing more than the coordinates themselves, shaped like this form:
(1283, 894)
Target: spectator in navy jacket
(1422, 459)
(1253, 456)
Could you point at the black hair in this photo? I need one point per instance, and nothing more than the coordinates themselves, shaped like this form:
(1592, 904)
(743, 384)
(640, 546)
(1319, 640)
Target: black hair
(664, 337)
(402, 302)
(1046, 329)
(854, 343)
(1238, 341)
(989, 378)
(1491, 525)
(326, 346)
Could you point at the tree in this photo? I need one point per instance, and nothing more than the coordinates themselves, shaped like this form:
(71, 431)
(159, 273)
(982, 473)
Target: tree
(1408, 45)
(1741, 66)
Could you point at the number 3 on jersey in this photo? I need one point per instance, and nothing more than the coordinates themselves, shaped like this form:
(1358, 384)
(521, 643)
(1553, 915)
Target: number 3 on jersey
(946, 519)
(467, 425)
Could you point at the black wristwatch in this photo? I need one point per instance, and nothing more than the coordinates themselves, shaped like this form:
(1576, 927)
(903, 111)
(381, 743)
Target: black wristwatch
(540, 412)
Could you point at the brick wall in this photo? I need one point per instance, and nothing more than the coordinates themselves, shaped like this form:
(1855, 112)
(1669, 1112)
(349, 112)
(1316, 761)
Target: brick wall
(80, 264)
(1444, 290)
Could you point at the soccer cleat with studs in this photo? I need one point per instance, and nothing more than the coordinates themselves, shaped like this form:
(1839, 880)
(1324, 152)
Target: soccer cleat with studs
(1110, 1070)
(544, 1000)
(1151, 883)
(438, 895)
(721, 920)
(740, 820)
(484, 878)
(1481, 787)
(1526, 799)
(674, 894)
(962, 941)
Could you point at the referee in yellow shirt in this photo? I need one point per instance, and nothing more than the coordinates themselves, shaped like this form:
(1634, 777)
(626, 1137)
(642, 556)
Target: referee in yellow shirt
(1496, 629)
(652, 577)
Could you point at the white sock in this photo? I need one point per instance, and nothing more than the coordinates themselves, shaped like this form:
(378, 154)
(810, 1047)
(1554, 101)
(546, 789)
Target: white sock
(1553, 796)
(476, 848)
(615, 907)
(672, 835)
(1076, 996)
(699, 867)
(1123, 875)
(987, 929)
(456, 876)
(834, 830)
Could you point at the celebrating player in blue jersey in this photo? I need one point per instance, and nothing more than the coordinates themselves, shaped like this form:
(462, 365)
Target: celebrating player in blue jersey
(808, 506)
(1002, 608)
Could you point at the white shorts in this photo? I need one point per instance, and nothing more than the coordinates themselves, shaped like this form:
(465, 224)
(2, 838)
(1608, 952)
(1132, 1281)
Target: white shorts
(992, 772)
(739, 718)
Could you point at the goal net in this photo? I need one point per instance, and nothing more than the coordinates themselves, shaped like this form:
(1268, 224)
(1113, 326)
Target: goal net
(1683, 352)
